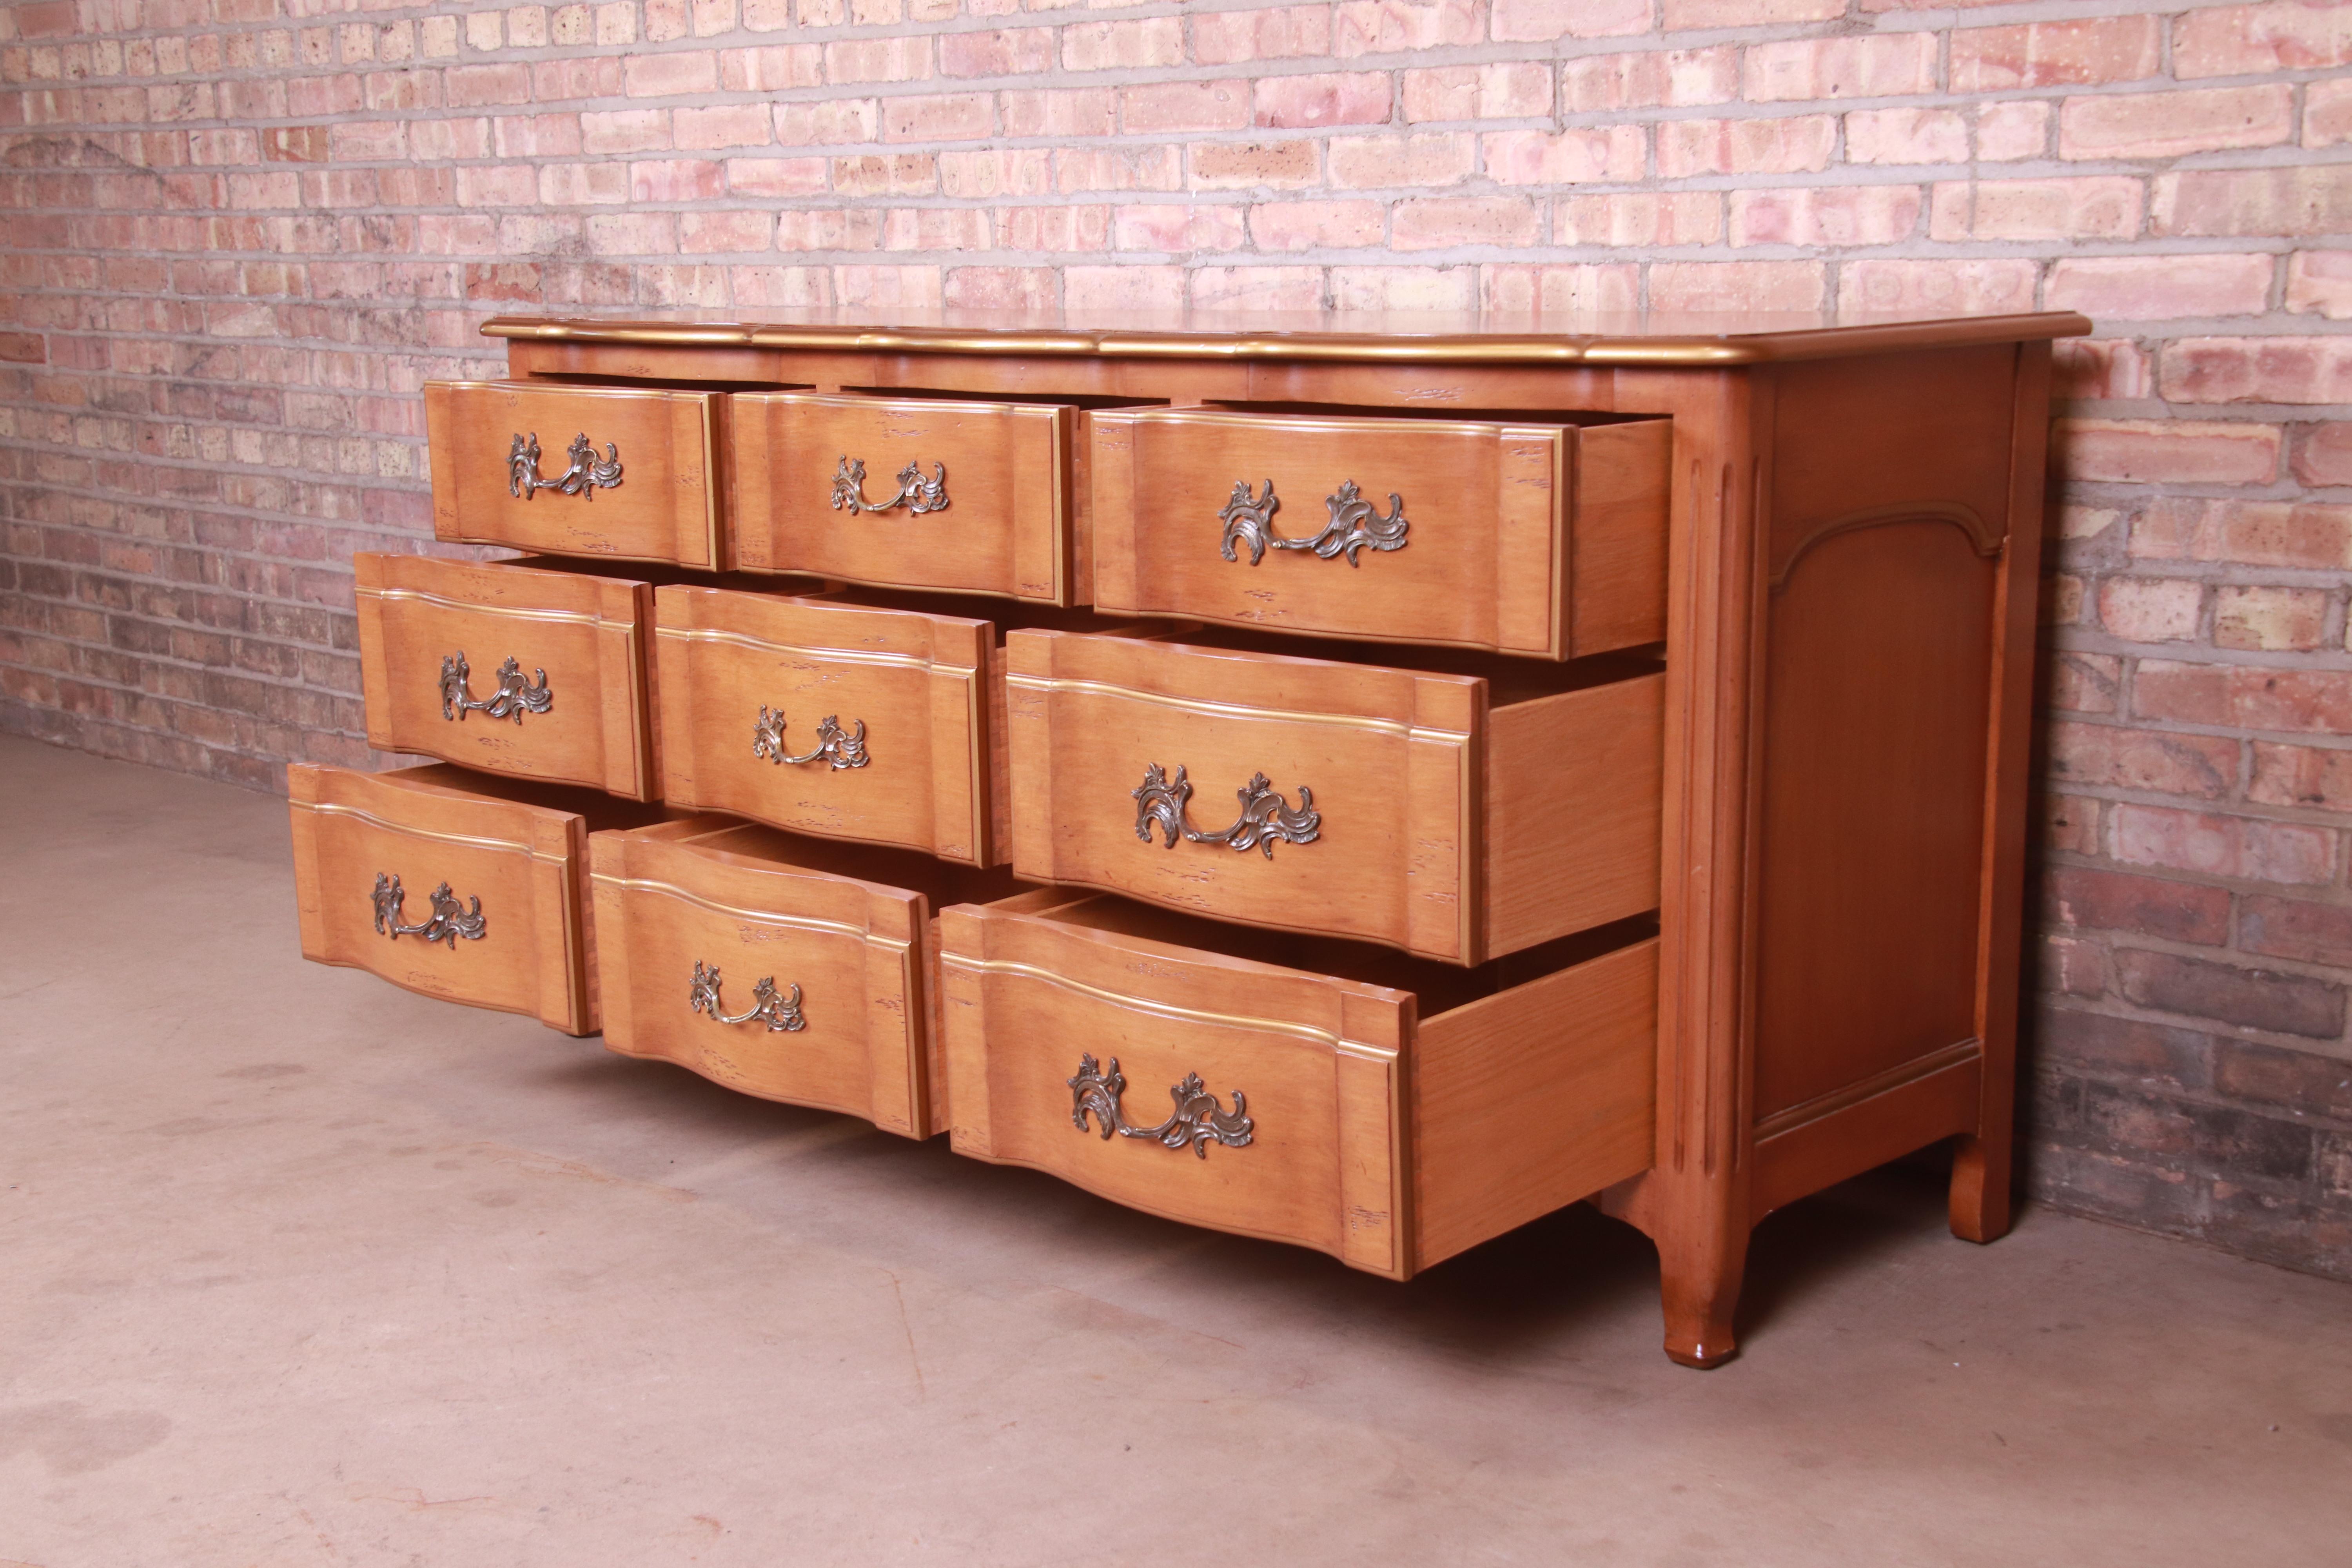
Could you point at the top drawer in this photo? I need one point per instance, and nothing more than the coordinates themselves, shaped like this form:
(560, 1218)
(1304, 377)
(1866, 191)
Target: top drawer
(621, 471)
(903, 493)
(1547, 540)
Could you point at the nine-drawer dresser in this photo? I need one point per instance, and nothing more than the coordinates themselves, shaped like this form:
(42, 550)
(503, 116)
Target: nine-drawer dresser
(1360, 782)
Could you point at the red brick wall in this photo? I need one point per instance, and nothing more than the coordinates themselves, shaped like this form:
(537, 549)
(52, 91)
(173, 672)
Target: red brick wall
(238, 234)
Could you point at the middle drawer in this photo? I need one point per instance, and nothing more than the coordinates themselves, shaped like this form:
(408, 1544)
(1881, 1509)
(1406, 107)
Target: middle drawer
(1454, 816)
(789, 968)
(843, 720)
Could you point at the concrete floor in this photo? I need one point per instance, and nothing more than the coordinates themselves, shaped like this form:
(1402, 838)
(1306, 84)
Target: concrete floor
(299, 1268)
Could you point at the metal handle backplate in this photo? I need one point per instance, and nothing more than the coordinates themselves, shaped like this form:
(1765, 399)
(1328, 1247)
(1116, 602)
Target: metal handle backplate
(1265, 815)
(835, 746)
(450, 919)
(1353, 526)
(514, 698)
(916, 493)
(584, 478)
(769, 1006)
(1197, 1120)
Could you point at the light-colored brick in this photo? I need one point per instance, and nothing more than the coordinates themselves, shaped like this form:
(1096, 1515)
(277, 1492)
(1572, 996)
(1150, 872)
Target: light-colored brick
(1392, 26)
(1282, 32)
(1678, 78)
(1906, 136)
(2167, 451)
(1568, 157)
(1438, 223)
(2269, 619)
(1304, 102)
(2079, 52)
(1513, 90)
(1712, 286)
(1988, 285)
(2257, 370)
(1123, 46)
(1800, 144)
(1839, 215)
(2151, 609)
(1540, 21)
(1564, 290)
(2172, 124)
(2319, 283)
(1316, 226)
(1403, 162)
(2253, 40)
(2159, 288)
(1863, 66)
(1639, 219)
(2328, 112)
(2103, 206)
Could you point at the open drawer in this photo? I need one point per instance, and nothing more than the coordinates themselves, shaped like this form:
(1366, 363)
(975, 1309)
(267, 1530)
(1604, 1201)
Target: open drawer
(1386, 1111)
(1543, 536)
(1452, 814)
(462, 886)
(793, 969)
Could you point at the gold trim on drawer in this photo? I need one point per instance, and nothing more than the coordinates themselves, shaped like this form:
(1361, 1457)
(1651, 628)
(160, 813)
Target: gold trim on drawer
(470, 606)
(1146, 1004)
(840, 655)
(766, 917)
(333, 808)
(1230, 709)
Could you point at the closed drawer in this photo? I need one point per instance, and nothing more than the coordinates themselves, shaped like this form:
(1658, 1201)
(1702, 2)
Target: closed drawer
(1547, 540)
(839, 720)
(529, 673)
(788, 968)
(1456, 816)
(624, 471)
(1389, 1112)
(904, 492)
(469, 888)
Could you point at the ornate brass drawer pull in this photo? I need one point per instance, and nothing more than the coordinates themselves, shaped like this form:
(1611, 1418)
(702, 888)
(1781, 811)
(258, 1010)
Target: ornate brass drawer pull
(916, 494)
(1198, 1119)
(584, 478)
(514, 698)
(779, 1011)
(1265, 815)
(839, 747)
(1354, 525)
(448, 923)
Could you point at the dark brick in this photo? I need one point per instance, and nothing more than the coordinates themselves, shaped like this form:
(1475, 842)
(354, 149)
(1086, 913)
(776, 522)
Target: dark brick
(2150, 906)
(2255, 998)
(2297, 928)
(2161, 1054)
(2299, 1082)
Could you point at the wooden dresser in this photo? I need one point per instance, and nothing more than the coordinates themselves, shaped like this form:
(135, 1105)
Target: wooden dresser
(1364, 784)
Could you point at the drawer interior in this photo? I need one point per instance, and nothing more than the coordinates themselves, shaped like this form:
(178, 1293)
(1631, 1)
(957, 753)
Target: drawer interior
(942, 882)
(1441, 987)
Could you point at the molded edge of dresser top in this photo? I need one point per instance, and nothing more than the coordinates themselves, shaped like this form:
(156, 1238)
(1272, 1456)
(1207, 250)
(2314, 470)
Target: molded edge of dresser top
(1676, 340)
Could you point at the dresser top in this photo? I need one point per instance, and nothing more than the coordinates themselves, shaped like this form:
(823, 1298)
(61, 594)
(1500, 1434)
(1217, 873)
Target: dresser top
(1684, 339)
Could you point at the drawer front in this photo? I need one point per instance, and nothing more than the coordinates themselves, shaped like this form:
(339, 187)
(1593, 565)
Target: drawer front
(1296, 1132)
(620, 471)
(1540, 539)
(903, 493)
(467, 898)
(528, 673)
(1365, 825)
(846, 722)
(774, 981)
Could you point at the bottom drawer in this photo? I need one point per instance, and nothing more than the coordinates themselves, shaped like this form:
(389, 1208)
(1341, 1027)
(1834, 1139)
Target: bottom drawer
(792, 968)
(457, 884)
(1299, 1093)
